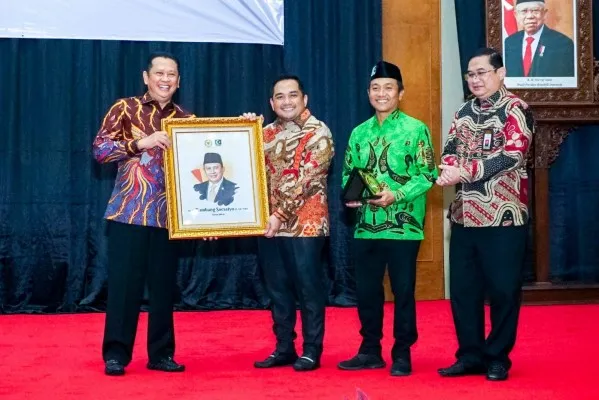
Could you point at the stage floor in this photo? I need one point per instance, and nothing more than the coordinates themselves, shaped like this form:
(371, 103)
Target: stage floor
(58, 357)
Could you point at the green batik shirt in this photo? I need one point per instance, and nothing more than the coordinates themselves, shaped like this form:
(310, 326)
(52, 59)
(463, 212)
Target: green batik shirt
(400, 154)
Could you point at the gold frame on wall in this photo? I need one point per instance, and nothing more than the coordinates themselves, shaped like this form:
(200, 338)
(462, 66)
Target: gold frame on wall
(241, 142)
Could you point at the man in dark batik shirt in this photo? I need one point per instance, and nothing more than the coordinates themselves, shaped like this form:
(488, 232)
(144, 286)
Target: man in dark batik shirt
(485, 158)
(138, 246)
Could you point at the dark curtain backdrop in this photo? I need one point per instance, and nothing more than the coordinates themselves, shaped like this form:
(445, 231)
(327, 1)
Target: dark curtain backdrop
(574, 177)
(53, 96)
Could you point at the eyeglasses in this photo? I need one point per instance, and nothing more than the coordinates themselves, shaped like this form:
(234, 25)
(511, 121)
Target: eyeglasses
(534, 11)
(478, 74)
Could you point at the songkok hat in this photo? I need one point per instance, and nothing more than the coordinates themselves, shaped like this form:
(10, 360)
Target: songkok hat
(529, 1)
(212, 158)
(383, 69)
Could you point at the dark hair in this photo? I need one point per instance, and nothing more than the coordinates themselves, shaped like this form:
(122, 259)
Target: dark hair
(495, 58)
(286, 78)
(161, 54)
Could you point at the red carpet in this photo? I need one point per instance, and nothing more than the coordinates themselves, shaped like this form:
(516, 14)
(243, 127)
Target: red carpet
(58, 357)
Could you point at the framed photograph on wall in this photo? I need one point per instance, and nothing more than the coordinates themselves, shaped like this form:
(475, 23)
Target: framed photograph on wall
(546, 47)
(215, 178)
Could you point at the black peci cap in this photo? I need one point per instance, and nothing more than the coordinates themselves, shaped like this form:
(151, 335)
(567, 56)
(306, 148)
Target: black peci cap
(383, 69)
(212, 158)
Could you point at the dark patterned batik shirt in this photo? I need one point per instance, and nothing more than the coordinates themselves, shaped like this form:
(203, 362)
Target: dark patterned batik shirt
(489, 141)
(139, 196)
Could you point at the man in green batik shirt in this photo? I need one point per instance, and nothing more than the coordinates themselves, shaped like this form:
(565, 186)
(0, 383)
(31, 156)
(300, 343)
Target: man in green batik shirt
(397, 150)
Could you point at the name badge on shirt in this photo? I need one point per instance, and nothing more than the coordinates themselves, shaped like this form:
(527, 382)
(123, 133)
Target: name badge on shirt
(487, 139)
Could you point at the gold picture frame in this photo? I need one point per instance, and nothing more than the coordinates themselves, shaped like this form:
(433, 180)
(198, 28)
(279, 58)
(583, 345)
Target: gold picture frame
(205, 200)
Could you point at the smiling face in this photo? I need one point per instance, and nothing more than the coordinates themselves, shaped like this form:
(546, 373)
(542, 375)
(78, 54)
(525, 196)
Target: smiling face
(288, 101)
(214, 171)
(162, 79)
(384, 95)
(485, 79)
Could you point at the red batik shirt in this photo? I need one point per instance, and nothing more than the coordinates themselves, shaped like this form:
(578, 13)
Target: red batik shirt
(139, 196)
(298, 155)
(489, 141)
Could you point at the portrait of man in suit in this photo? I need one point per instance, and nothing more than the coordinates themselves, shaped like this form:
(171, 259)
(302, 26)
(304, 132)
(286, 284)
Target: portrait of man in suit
(537, 50)
(217, 188)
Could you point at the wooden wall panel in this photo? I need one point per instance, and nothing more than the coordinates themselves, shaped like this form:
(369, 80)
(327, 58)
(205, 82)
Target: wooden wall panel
(411, 39)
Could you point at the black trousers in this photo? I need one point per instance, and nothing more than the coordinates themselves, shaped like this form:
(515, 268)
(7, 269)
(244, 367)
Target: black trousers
(372, 257)
(292, 270)
(138, 255)
(486, 261)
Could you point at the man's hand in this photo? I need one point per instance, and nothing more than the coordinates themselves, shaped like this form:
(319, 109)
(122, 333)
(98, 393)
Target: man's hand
(386, 198)
(274, 224)
(450, 175)
(156, 139)
(210, 238)
(353, 204)
(250, 116)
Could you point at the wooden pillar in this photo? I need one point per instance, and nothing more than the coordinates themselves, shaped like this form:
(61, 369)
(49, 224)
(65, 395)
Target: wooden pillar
(411, 39)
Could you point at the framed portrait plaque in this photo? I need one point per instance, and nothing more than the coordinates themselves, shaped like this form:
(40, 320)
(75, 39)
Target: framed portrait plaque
(215, 178)
(546, 47)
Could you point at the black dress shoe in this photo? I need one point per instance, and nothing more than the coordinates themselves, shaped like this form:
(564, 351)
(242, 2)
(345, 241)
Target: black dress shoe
(362, 361)
(166, 365)
(307, 362)
(114, 368)
(459, 368)
(497, 372)
(401, 367)
(276, 359)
